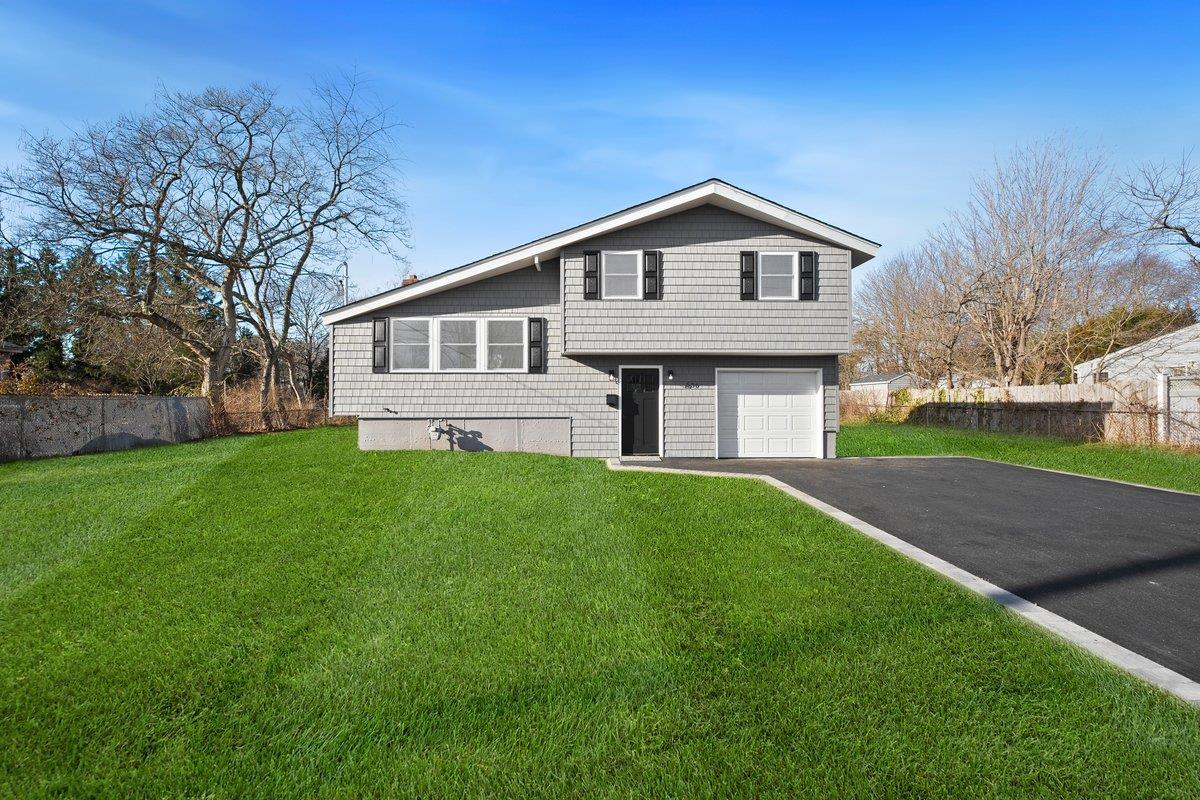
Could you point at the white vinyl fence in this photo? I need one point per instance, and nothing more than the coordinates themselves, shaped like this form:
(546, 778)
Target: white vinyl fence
(1140, 412)
(1179, 405)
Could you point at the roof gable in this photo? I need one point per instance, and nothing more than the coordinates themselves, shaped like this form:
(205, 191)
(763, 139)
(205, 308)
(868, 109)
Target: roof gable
(714, 191)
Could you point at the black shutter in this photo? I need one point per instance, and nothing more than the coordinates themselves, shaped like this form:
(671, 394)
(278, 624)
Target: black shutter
(537, 344)
(591, 274)
(808, 276)
(379, 344)
(652, 275)
(749, 262)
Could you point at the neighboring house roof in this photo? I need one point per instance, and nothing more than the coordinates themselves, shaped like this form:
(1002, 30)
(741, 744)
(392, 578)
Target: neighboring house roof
(1159, 351)
(881, 377)
(711, 192)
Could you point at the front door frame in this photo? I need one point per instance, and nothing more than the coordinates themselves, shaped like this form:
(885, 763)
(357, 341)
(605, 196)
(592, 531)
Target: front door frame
(621, 406)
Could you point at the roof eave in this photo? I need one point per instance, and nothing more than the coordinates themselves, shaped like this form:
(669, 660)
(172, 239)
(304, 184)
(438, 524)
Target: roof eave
(712, 191)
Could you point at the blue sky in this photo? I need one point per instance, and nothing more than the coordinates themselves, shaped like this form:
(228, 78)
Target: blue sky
(525, 118)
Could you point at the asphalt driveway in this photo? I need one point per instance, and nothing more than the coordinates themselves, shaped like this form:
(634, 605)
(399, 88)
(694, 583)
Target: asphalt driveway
(1123, 561)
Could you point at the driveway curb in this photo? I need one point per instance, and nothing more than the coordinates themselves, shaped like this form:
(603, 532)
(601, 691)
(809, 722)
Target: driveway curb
(1166, 679)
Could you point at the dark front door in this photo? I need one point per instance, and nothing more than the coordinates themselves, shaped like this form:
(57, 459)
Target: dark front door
(639, 412)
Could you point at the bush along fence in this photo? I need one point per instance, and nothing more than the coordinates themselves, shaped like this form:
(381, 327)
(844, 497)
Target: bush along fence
(282, 420)
(1166, 411)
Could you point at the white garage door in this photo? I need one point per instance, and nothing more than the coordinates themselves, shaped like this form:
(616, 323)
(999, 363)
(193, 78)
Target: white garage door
(769, 414)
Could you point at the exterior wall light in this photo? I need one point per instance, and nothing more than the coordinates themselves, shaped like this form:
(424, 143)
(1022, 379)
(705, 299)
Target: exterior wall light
(670, 374)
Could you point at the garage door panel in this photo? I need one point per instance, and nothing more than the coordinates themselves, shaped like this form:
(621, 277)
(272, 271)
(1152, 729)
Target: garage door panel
(769, 414)
(778, 423)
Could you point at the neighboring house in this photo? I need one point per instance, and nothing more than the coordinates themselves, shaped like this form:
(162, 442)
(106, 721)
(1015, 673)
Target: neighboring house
(1177, 352)
(884, 383)
(707, 322)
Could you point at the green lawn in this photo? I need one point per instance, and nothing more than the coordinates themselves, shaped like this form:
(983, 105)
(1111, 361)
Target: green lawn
(284, 616)
(1148, 465)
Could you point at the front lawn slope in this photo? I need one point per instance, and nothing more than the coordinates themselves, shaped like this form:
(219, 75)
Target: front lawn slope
(285, 616)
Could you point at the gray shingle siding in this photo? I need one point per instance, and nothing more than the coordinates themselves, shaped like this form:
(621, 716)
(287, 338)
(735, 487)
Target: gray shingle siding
(701, 309)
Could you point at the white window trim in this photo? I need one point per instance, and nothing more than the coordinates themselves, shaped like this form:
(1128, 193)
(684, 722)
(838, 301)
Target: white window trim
(524, 344)
(795, 295)
(481, 343)
(478, 337)
(637, 295)
(392, 344)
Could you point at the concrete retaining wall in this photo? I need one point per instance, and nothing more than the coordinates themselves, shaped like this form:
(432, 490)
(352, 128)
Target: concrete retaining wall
(37, 427)
(1080, 421)
(550, 435)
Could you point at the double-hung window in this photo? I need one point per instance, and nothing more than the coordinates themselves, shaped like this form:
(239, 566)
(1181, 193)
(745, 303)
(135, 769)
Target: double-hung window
(621, 275)
(505, 347)
(777, 276)
(458, 345)
(411, 345)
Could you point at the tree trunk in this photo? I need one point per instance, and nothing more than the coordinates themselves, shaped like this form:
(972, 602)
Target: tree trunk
(213, 387)
(264, 391)
(289, 371)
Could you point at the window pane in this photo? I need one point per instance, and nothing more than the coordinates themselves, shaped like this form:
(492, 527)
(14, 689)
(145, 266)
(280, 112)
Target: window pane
(410, 331)
(506, 356)
(410, 344)
(777, 287)
(777, 264)
(620, 285)
(458, 331)
(410, 356)
(621, 263)
(457, 344)
(505, 344)
(506, 331)
(621, 275)
(457, 356)
(777, 276)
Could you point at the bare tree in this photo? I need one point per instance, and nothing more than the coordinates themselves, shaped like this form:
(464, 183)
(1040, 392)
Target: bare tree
(134, 354)
(912, 315)
(309, 347)
(887, 329)
(232, 192)
(1030, 229)
(1162, 206)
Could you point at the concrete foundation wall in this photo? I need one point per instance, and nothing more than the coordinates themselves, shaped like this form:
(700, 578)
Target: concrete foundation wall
(530, 435)
(38, 427)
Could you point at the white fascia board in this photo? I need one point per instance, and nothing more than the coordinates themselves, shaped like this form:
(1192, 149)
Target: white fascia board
(715, 192)
(765, 210)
